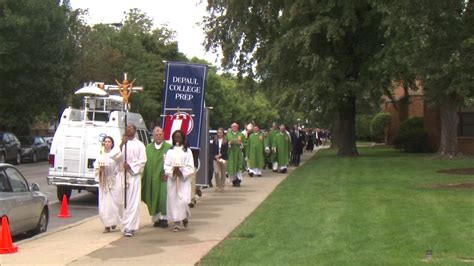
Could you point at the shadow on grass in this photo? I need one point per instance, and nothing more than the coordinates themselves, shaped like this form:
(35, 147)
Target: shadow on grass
(371, 152)
(243, 235)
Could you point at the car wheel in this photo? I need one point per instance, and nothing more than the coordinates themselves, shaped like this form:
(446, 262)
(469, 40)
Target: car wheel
(43, 221)
(2, 158)
(63, 190)
(18, 159)
(34, 157)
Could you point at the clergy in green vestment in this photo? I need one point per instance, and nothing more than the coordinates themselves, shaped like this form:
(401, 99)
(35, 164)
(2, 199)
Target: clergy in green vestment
(281, 147)
(256, 152)
(153, 183)
(235, 162)
(271, 135)
(266, 144)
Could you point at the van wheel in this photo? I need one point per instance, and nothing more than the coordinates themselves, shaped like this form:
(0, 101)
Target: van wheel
(18, 158)
(2, 158)
(63, 190)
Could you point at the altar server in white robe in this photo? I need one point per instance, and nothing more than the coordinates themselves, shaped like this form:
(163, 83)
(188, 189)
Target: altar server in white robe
(134, 165)
(179, 167)
(108, 174)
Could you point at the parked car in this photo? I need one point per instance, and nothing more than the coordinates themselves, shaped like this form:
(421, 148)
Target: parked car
(33, 148)
(10, 148)
(24, 205)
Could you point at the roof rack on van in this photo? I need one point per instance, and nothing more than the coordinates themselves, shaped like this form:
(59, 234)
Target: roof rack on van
(100, 99)
(102, 89)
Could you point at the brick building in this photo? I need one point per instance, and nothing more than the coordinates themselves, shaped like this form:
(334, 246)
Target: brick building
(402, 107)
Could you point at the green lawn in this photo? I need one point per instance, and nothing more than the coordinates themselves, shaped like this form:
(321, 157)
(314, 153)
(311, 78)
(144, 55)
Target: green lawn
(377, 209)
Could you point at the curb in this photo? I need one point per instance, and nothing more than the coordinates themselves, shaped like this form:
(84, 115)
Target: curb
(59, 229)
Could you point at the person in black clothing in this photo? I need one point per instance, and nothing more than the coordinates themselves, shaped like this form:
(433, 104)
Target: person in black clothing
(298, 142)
(310, 138)
(219, 153)
(210, 161)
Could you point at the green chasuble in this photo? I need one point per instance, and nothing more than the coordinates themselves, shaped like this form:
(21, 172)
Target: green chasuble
(235, 163)
(256, 150)
(281, 142)
(271, 137)
(266, 143)
(153, 187)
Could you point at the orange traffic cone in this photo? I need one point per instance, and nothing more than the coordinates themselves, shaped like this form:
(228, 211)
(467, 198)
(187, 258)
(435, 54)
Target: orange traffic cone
(64, 211)
(6, 244)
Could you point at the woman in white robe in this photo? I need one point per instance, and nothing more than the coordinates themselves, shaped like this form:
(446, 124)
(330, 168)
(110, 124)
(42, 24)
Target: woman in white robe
(108, 174)
(179, 167)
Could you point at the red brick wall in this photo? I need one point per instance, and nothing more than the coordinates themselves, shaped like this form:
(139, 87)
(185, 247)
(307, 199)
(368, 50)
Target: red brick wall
(433, 128)
(416, 108)
(404, 108)
(466, 145)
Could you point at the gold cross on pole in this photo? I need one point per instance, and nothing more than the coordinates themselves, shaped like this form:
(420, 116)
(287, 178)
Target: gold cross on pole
(125, 88)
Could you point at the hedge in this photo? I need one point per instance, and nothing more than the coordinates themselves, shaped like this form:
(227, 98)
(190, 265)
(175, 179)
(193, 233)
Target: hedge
(377, 126)
(412, 136)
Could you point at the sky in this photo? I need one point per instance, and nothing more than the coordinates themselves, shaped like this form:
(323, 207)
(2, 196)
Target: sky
(179, 15)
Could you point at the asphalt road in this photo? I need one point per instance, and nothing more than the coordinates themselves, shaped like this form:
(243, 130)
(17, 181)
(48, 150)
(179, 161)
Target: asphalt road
(81, 205)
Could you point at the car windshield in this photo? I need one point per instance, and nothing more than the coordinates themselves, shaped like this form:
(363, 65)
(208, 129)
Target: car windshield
(26, 140)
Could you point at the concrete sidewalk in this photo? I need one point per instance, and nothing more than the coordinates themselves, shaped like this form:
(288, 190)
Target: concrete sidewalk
(214, 217)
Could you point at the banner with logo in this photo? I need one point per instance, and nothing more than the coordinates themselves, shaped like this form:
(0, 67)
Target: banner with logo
(184, 100)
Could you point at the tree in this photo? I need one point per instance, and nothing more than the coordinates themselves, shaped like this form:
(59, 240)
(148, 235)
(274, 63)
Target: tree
(232, 103)
(107, 51)
(139, 49)
(432, 43)
(36, 53)
(311, 52)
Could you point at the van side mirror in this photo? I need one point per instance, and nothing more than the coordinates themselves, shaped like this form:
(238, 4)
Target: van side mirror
(35, 187)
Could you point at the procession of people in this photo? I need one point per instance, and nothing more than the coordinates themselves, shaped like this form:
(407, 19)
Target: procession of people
(162, 174)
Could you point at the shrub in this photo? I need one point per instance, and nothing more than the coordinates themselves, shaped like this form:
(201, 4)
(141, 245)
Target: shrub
(412, 136)
(377, 126)
(363, 127)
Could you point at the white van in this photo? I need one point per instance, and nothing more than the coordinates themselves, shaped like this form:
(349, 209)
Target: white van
(78, 138)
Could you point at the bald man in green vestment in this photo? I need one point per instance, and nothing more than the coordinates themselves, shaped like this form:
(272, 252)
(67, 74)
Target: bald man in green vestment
(256, 152)
(235, 163)
(281, 148)
(154, 186)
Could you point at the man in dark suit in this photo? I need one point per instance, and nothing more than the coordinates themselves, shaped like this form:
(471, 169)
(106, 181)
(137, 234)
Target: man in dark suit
(298, 142)
(219, 153)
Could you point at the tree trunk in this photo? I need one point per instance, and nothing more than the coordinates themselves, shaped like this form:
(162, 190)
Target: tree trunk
(335, 129)
(347, 129)
(449, 127)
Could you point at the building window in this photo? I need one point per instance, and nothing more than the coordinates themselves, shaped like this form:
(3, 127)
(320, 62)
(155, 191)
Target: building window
(466, 125)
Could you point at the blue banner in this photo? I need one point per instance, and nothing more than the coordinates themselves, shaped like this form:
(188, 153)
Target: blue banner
(184, 100)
